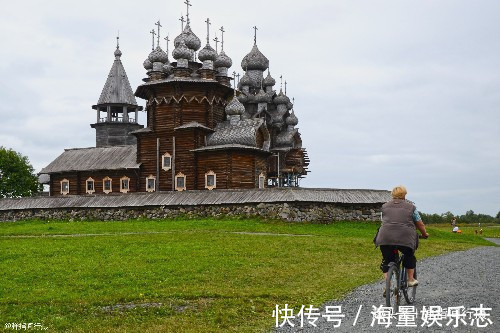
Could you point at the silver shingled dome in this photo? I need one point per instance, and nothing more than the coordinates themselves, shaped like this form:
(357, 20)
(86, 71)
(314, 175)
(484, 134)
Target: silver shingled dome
(207, 53)
(245, 80)
(269, 81)
(181, 51)
(235, 108)
(255, 60)
(158, 55)
(281, 99)
(262, 97)
(148, 65)
(292, 120)
(223, 60)
(190, 39)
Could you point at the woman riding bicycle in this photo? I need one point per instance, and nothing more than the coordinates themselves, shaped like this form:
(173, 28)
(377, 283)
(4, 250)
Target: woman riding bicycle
(400, 219)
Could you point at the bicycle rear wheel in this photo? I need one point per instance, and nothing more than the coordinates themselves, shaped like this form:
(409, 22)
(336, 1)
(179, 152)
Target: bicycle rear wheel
(392, 291)
(410, 292)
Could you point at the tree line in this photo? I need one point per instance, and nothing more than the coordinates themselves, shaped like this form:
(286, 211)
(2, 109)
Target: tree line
(468, 217)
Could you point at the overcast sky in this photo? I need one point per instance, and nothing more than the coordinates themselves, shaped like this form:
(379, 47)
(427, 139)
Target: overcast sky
(387, 92)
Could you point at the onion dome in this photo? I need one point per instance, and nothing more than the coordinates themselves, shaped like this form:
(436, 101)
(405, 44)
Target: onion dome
(167, 68)
(118, 53)
(158, 55)
(292, 120)
(243, 98)
(235, 108)
(189, 38)
(262, 97)
(281, 99)
(255, 60)
(181, 51)
(223, 60)
(207, 53)
(269, 81)
(245, 80)
(148, 65)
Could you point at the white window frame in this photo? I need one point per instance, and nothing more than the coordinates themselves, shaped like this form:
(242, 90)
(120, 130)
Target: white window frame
(62, 191)
(154, 183)
(89, 180)
(210, 187)
(262, 180)
(110, 185)
(163, 166)
(180, 175)
(124, 190)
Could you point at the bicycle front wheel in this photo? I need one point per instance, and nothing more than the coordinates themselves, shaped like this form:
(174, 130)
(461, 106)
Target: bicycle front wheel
(410, 292)
(392, 291)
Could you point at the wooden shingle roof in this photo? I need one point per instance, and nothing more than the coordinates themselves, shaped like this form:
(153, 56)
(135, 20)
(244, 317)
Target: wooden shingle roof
(89, 159)
(117, 89)
(198, 198)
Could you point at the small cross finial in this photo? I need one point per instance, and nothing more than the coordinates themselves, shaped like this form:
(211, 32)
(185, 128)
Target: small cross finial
(153, 33)
(234, 78)
(168, 40)
(238, 76)
(285, 87)
(216, 40)
(222, 41)
(208, 30)
(281, 82)
(182, 22)
(118, 40)
(255, 35)
(188, 4)
(159, 26)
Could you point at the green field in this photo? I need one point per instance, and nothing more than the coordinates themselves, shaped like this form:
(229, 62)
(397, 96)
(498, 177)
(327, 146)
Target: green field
(185, 275)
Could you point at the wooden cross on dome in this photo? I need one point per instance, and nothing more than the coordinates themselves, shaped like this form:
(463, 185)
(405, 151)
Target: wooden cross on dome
(182, 22)
(216, 40)
(234, 85)
(208, 29)
(153, 33)
(188, 4)
(255, 35)
(159, 26)
(222, 41)
(168, 40)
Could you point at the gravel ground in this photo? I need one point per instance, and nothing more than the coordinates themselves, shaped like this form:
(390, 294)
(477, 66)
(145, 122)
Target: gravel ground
(466, 278)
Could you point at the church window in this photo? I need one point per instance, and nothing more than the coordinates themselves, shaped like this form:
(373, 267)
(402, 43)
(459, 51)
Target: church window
(64, 186)
(180, 182)
(107, 185)
(90, 186)
(262, 180)
(210, 180)
(151, 183)
(166, 162)
(124, 184)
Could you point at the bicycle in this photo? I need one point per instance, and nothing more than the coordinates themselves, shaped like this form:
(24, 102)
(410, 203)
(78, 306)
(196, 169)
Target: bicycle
(396, 283)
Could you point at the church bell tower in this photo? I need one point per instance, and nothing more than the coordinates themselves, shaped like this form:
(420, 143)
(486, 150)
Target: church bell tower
(117, 109)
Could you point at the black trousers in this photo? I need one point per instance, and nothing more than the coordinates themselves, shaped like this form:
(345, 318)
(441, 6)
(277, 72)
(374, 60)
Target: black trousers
(388, 255)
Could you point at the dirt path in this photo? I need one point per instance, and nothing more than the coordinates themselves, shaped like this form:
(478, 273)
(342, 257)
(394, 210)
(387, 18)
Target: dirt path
(466, 278)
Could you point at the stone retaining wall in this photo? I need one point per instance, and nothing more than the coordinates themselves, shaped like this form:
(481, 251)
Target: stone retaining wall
(310, 212)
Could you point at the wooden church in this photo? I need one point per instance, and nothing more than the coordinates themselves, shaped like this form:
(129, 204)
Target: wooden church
(201, 133)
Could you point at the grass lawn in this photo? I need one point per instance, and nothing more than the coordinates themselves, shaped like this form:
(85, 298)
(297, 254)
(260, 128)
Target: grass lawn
(185, 275)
